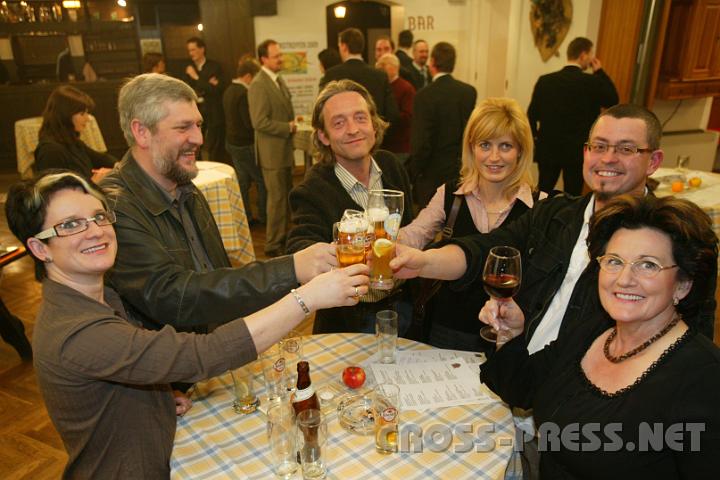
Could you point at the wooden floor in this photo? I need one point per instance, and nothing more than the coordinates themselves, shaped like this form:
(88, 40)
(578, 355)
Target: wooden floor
(30, 448)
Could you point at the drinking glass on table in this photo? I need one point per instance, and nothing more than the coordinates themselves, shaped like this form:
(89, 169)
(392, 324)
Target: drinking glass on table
(291, 347)
(386, 334)
(384, 213)
(244, 389)
(386, 412)
(501, 279)
(283, 440)
(312, 437)
(274, 373)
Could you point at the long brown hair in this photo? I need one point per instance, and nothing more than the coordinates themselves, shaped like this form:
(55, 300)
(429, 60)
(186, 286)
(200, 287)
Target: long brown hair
(64, 102)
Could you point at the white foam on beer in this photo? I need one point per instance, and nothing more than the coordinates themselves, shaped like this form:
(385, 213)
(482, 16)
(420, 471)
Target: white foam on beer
(354, 225)
(377, 214)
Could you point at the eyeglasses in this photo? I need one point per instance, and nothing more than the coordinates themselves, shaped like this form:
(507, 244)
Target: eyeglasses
(77, 225)
(622, 149)
(641, 268)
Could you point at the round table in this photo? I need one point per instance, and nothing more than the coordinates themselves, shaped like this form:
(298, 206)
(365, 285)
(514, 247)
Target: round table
(219, 186)
(212, 441)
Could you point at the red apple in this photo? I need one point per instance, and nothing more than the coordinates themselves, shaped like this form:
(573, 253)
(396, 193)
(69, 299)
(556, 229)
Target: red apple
(353, 377)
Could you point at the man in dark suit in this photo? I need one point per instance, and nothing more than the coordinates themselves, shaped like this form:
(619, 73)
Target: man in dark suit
(565, 104)
(440, 112)
(240, 137)
(205, 76)
(404, 51)
(273, 118)
(418, 67)
(351, 44)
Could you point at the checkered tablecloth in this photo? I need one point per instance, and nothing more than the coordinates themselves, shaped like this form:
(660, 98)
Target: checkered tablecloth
(212, 441)
(26, 141)
(707, 196)
(219, 185)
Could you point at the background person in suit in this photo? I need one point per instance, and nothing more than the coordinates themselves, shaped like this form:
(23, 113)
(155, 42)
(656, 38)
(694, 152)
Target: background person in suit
(240, 138)
(565, 104)
(351, 44)
(205, 76)
(404, 51)
(420, 72)
(440, 113)
(272, 116)
(328, 58)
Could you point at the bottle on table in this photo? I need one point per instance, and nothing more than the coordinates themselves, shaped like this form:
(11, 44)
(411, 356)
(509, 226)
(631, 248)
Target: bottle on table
(304, 397)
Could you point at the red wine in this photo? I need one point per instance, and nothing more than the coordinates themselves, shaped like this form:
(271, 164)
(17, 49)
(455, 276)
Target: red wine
(501, 286)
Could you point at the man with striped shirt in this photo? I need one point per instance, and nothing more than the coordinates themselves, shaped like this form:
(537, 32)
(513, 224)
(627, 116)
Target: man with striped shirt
(347, 132)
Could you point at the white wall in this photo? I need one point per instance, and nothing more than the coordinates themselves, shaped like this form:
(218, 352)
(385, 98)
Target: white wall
(524, 58)
(495, 48)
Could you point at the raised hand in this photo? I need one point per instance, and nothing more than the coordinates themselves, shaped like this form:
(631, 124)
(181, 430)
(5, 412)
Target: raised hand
(314, 260)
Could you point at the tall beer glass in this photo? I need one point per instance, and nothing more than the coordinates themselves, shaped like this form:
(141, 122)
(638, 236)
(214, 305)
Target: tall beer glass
(384, 213)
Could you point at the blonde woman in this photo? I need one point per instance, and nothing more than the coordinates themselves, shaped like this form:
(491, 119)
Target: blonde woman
(495, 186)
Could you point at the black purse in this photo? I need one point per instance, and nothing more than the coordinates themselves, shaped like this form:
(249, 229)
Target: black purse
(420, 327)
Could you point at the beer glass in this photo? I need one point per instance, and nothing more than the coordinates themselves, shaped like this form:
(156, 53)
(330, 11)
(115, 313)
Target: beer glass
(386, 411)
(384, 213)
(386, 334)
(349, 237)
(274, 373)
(243, 386)
(282, 438)
(311, 440)
(291, 347)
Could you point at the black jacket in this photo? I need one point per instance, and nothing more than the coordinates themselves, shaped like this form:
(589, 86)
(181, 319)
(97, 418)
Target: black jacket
(545, 237)
(154, 270)
(440, 113)
(238, 127)
(79, 157)
(374, 80)
(320, 200)
(565, 104)
(211, 105)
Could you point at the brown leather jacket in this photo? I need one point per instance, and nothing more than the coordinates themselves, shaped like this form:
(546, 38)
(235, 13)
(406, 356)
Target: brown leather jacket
(154, 271)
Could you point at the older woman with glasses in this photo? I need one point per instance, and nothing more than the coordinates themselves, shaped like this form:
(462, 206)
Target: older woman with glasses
(103, 377)
(633, 392)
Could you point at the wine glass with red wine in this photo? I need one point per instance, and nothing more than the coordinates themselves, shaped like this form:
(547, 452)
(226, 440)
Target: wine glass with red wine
(501, 280)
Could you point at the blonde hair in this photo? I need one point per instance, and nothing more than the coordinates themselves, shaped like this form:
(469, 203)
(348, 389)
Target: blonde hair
(492, 118)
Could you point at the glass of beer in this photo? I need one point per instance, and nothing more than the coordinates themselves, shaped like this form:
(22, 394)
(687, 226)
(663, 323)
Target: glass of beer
(243, 382)
(386, 412)
(384, 214)
(349, 236)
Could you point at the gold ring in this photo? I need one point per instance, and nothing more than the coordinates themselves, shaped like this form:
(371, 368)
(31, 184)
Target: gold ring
(357, 293)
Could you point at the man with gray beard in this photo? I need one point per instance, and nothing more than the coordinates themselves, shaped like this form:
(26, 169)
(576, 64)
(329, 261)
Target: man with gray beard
(171, 266)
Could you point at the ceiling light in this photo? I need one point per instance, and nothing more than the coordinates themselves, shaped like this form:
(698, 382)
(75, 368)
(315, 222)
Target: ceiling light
(200, 27)
(339, 11)
(122, 3)
(71, 4)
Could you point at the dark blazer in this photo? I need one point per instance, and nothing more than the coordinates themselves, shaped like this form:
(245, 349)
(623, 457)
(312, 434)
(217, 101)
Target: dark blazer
(238, 127)
(565, 104)
(405, 59)
(440, 112)
(211, 106)
(374, 80)
(416, 78)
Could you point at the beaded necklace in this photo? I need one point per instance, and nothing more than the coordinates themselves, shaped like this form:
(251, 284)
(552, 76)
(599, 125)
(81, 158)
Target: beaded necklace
(640, 348)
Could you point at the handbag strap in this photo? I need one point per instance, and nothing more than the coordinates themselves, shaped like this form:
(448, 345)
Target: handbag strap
(447, 231)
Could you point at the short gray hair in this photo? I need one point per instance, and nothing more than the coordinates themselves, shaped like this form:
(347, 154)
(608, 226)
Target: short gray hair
(142, 98)
(388, 58)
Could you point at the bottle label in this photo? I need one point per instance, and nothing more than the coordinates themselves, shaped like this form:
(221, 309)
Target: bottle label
(303, 394)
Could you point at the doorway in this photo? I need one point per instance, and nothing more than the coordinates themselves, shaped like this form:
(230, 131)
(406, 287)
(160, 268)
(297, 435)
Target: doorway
(371, 18)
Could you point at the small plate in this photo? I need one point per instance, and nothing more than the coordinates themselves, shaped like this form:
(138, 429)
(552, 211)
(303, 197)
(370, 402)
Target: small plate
(355, 413)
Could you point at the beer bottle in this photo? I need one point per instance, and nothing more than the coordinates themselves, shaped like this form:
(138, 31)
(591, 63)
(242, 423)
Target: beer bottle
(304, 397)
